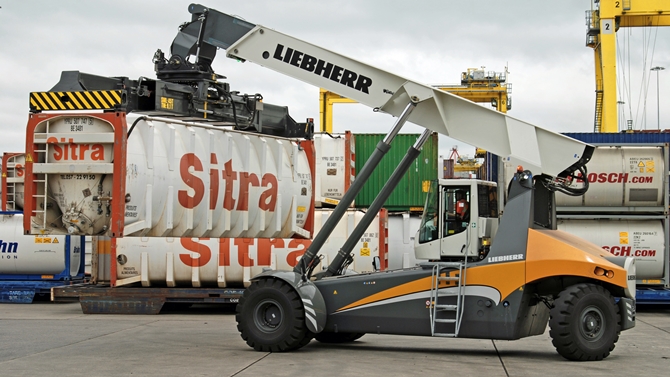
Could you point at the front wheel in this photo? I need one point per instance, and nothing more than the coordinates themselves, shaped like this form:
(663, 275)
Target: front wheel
(270, 317)
(584, 323)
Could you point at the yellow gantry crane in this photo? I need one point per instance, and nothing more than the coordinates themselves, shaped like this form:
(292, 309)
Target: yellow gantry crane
(465, 164)
(602, 22)
(477, 85)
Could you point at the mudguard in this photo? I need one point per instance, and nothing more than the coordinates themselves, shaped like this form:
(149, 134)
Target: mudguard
(627, 312)
(628, 264)
(312, 300)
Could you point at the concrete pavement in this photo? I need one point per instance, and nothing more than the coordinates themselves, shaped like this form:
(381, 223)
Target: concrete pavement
(47, 338)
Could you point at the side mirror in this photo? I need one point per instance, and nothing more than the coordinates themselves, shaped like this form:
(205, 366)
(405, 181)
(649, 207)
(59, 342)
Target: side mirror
(376, 264)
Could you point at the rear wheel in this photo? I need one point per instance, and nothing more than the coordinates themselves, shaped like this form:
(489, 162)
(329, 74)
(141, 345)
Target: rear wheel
(338, 337)
(584, 323)
(270, 317)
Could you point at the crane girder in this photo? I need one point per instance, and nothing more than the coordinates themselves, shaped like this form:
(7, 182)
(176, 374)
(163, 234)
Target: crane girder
(602, 24)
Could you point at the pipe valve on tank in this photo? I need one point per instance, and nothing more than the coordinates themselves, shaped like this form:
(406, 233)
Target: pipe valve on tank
(76, 222)
(104, 198)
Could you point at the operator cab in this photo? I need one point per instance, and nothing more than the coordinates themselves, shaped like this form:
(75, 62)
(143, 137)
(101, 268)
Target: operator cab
(459, 219)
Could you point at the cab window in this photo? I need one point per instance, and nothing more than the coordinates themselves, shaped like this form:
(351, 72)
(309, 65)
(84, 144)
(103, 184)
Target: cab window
(429, 229)
(456, 203)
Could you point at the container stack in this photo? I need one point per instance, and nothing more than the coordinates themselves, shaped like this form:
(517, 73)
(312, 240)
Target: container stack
(31, 265)
(625, 209)
(405, 205)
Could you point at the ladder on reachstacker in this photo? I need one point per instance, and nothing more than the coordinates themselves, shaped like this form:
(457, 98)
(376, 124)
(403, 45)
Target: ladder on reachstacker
(445, 319)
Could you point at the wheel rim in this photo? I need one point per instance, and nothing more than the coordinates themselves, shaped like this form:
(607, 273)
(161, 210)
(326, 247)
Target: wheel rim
(268, 315)
(592, 324)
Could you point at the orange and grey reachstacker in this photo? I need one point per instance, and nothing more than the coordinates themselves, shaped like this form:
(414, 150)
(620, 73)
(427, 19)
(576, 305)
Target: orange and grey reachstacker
(485, 277)
(489, 273)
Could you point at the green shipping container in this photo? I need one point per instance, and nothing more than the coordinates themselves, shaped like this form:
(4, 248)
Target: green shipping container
(410, 194)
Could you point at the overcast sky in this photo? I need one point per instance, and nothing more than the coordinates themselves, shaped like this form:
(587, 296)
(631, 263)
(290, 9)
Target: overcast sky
(542, 43)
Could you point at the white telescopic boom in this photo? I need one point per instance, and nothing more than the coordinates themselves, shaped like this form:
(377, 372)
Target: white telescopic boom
(517, 142)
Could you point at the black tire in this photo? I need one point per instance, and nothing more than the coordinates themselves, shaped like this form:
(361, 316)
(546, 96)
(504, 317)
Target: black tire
(584, 323)
(270, 317)
(338, 337)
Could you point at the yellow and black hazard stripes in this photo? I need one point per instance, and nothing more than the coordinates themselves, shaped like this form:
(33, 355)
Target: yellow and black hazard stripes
(80, 100)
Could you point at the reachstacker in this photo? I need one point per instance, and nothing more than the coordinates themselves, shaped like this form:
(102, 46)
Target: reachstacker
(486, 277)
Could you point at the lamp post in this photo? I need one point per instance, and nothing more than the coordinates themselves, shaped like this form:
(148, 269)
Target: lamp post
(658, 99)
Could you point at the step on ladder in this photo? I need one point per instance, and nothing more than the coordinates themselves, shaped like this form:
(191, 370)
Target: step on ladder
(445, 319)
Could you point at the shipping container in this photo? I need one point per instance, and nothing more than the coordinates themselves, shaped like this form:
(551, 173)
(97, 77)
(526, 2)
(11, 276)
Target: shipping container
(173, 178)
(448, 168)
(31, 265)
(45, 255)
(335, 167)
(402, 228)
(230, 262)
(622, 138)
(645, 240)
(625, 209)
(410, 194)
(622, 179)
(489, 168)
(13, 175)
(12, 188)
(373, 242)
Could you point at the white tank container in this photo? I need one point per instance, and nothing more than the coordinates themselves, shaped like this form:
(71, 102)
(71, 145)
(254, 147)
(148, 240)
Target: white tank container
(40, 254)
(13, 187)
(642, 239)
(402, 231)
(335, 166)
(618, 177)
(222, 262)
(621, 177)
(374, 241)
(13, 176)
(35, 255)
(181, 179)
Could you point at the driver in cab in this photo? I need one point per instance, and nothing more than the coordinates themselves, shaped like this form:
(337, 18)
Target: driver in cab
(462, 206)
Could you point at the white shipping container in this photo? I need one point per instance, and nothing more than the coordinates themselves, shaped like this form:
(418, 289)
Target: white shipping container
(223, 262)
(179, 179)
(643, 239)
(13, 176)
(374, 241)
(335, 166)
(42, 255)
(35, 255)
(402, 231)
(618, 177)
(622, 177)
(13, 186)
